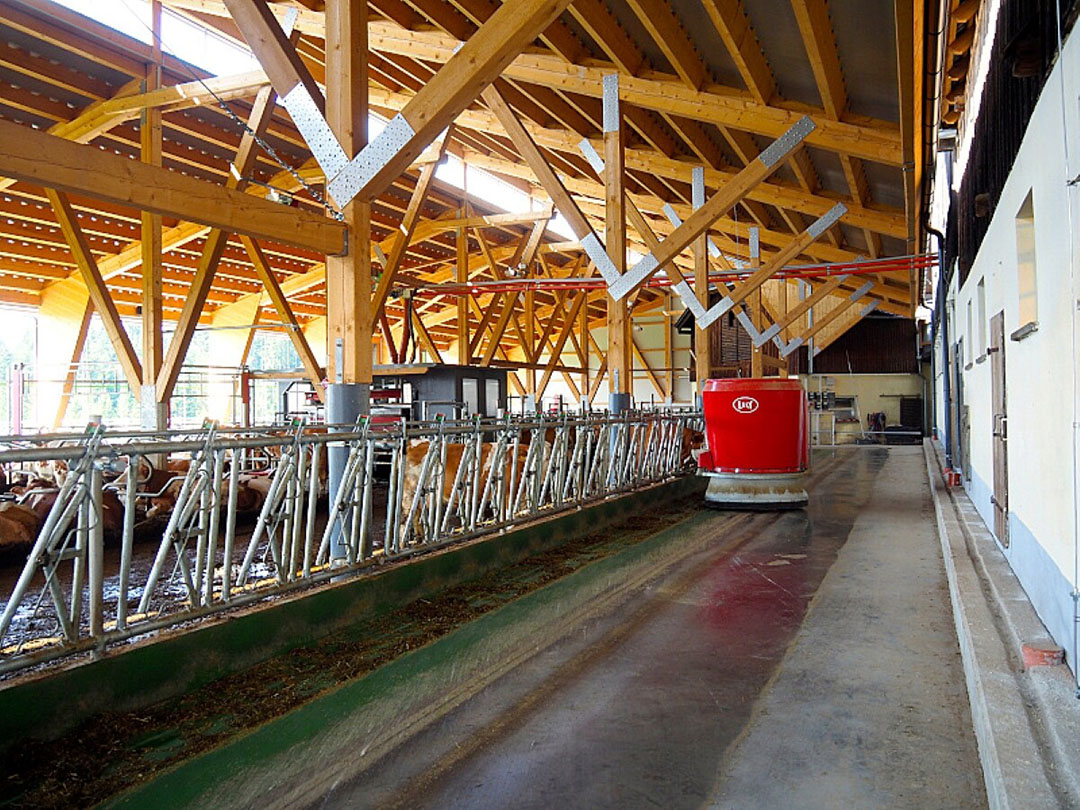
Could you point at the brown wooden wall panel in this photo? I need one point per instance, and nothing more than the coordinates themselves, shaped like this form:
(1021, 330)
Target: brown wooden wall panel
(880, 345)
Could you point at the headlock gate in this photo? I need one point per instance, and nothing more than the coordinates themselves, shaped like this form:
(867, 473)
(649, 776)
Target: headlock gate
(239, 516)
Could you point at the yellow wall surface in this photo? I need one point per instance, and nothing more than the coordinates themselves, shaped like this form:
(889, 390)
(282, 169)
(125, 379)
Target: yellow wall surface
(872, 392)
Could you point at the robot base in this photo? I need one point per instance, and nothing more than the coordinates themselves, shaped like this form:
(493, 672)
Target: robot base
(756, 492)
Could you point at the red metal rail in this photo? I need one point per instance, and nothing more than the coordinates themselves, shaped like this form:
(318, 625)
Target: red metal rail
(802, 271)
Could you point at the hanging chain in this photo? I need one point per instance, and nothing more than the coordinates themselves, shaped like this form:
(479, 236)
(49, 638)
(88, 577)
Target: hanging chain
(259, 141)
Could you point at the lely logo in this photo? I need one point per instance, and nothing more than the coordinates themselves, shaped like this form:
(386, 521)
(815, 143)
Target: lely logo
(745, 405)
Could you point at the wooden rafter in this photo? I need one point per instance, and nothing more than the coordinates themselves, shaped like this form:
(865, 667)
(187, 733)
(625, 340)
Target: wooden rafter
(742, 44)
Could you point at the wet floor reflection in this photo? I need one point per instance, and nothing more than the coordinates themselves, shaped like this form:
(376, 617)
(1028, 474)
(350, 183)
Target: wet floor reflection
(639, 712)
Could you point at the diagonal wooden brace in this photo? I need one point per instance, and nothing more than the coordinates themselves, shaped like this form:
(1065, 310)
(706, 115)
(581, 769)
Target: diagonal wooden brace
(697, 223)
(832, 315)
(793, 249)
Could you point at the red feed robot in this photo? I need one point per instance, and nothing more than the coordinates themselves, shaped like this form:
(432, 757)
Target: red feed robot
(758, 443)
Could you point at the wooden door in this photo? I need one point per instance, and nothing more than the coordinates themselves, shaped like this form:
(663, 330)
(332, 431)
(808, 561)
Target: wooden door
(958, 428)
(1000, 423)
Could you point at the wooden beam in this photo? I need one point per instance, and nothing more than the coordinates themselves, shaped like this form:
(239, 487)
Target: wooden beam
(485, 322)
(656, 384)
(756, 353)
(882, 219)
(99, 293)
(499, 329)
(700, 249)
(569, 322)
(89, 171)
(862, 137)
(425, 337)
(720, 203)
(823, 291)
(816, 29)
(349, 306)
(532, 156)
(150, 223)
(742, 44)
(667, 31)
(461, 276)
(744, 288)
(827, 318)
(600, 24)
(126, 105)
(619, 355)
(910, 42)
(598, 379)
(272, 48)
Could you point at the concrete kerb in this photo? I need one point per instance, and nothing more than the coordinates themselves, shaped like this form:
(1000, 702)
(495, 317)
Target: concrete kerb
(1020, 768)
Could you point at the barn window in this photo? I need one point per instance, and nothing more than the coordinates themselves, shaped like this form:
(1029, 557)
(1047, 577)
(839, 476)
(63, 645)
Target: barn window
(1025, 262)
(982, 315)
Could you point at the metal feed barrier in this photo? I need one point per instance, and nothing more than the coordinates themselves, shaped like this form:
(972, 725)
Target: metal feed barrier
(404, 488)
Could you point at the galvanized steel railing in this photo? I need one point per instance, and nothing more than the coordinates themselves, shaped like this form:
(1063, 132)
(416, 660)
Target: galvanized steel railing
(403, 489)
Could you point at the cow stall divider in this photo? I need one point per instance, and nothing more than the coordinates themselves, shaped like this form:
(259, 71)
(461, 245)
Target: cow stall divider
(406, 488)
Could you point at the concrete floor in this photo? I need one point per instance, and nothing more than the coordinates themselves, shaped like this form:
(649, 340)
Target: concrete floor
(801, 659)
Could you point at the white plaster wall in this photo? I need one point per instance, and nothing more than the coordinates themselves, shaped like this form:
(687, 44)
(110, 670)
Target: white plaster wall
(1040, 369)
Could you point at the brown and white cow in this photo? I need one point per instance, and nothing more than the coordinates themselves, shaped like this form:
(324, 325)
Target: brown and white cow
(418, 450)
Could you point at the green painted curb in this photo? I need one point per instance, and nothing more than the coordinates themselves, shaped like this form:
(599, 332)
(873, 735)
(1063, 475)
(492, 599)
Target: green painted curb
(258, 767)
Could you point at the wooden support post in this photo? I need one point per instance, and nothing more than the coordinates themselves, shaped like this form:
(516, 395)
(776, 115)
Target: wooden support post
(350, 319)
(700, 247)
(585, 346)
(529, 345)
(619, 354)
(154, 416)
(669, 355)
(462, 276)
(782, 302)
(756, 367)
